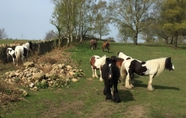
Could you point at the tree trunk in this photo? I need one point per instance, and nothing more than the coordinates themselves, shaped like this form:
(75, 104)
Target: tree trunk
(175, 42)
(166, 41)
(136, 39)
(100, 37)
(59, 37)
(172, 39)
(71, 38)
(81, 39)
(68, 42)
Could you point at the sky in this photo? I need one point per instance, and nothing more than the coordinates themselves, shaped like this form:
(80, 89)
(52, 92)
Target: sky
(29, 19)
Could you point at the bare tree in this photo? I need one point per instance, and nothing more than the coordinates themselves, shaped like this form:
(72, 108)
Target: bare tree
(50, 35)
(101, 19)
(84, 18)
(129, 16)
(2, 33)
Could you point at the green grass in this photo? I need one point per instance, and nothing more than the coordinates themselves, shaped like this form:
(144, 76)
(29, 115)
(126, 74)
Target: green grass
(85, 98)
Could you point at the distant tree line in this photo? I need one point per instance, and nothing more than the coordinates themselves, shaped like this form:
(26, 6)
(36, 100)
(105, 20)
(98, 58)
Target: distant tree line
(149, 19)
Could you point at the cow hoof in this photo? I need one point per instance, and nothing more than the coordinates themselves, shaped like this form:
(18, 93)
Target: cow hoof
(128, 87)
(131, 86)
(108, 99)
(150, 88)
(116, 100)
(94, 76)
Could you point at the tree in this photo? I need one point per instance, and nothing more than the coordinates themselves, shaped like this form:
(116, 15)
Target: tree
(84, 18)
(129, 16)
(49, 35)
(64, 18)
(56, 21)
(101, 19)
(2, 33)
(156, 26)
(173, 14)
(72, 18)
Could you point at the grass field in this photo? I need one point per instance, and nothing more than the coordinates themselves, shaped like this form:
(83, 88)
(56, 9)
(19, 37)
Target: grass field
(85, 98)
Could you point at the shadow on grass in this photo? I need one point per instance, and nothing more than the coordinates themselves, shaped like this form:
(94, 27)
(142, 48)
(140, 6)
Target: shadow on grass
(108, 52)
(138, 83)
(126, 95)
(166, 87)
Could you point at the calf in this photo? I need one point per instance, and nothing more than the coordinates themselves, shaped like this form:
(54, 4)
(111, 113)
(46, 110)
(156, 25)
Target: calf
(111, 74)
(11, 52)
(96, 62)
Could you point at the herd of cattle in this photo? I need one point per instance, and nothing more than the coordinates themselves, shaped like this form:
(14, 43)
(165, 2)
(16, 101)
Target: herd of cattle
(112, 69)
(20, 53)
(122, 68)
(105, 45)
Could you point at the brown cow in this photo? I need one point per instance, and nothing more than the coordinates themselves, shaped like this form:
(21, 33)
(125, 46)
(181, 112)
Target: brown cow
(106, 45)
(93, 44)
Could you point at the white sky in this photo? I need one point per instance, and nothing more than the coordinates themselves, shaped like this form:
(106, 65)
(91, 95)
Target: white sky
(29, 19)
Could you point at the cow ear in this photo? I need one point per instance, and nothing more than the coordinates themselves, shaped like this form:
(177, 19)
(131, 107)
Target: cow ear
(107, 60)
(114, 59)
(169, 58)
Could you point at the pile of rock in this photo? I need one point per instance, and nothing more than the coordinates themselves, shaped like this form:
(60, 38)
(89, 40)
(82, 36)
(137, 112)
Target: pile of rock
(43, 75)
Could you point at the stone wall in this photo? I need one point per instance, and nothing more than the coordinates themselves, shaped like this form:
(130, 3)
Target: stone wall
(39, 48)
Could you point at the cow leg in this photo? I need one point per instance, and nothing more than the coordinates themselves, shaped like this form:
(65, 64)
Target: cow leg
(116, 97)
(94, 47)
(101, 79)
(127, 82)
(95, 73)
(22, 58)
(104, 90)
(108, 92)
(14, 61)
(92, 72)
(103, 49)
(150, 87)
(131, 79)
(27, 55)
(91, 46)
(123, 74)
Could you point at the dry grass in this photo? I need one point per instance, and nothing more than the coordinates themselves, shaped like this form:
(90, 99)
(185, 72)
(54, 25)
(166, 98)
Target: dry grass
(8, 93)
(55, 56)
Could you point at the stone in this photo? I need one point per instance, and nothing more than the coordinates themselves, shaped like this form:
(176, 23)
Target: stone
(74, 80)
(38, 76)
(31, 85)
(69, 67)
(28, 64)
